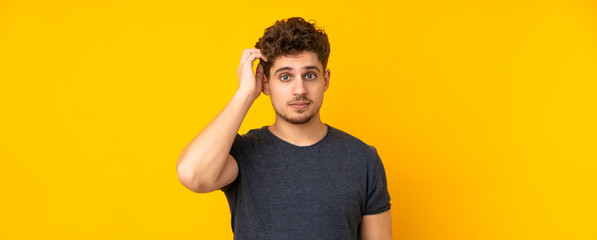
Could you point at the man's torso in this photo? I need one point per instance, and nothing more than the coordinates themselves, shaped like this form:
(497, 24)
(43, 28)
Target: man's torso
(285, 191)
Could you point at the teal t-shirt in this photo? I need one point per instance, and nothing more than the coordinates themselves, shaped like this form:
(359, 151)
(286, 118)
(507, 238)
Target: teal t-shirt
(321, 191)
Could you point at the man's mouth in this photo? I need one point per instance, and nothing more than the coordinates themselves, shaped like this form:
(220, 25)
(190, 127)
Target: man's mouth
(299, 104)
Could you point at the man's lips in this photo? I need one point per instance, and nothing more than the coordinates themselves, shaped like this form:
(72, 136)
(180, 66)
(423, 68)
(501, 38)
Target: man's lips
(299, 105)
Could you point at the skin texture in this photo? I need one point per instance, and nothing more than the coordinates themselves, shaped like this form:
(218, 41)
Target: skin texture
(296, 94)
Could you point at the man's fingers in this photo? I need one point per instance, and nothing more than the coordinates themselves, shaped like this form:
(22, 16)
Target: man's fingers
(252, 57)
(264, 58)
(248, 57)
(247, 52)
(250, 52)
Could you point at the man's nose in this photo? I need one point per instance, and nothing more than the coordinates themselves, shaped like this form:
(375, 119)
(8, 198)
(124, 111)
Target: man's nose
(299, 87)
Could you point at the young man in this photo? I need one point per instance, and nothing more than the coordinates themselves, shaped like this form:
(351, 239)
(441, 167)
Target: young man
(298, 178)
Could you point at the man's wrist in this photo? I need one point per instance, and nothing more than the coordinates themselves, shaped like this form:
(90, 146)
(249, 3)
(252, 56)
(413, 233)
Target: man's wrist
(245, 97)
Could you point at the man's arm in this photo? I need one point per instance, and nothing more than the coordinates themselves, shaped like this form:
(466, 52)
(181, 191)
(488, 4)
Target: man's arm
(205, 164)
(377, 226)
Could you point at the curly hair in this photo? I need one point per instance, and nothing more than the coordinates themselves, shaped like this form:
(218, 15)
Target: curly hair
(292, 36)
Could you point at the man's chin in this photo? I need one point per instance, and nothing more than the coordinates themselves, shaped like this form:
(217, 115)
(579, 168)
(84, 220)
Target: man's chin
(298, 119)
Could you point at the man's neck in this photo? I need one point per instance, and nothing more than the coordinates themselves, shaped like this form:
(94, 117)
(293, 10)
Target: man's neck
(304, 134)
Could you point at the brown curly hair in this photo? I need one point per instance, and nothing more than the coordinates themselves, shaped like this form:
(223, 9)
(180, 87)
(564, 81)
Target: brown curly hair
(292, 36)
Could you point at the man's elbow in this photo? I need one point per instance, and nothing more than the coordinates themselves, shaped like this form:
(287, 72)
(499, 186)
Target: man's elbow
(191, 181)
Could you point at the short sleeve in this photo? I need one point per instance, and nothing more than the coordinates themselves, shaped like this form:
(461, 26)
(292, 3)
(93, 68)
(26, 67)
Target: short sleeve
(234, 152)
(378, 197)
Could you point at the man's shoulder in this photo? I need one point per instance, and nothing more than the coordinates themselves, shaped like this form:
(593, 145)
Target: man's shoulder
(351, 141)
(256, 132)
(252, 136)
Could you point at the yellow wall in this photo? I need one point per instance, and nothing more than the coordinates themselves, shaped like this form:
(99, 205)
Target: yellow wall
(484, 113)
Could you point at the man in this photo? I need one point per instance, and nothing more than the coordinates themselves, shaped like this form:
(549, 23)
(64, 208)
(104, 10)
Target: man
(298, 178)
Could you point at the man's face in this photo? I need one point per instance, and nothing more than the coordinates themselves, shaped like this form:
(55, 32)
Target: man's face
(296, 84)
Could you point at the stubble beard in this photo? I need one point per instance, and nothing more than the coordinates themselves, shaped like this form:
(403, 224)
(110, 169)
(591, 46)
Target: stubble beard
(299, 118)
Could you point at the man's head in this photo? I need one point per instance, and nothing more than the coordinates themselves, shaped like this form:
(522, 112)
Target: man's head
(292, 36)
(296, 71)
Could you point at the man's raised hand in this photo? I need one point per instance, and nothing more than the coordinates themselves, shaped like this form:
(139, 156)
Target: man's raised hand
(250, 83)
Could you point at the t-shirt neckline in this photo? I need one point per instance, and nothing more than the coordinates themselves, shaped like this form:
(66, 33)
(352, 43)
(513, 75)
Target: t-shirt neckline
(296, 146)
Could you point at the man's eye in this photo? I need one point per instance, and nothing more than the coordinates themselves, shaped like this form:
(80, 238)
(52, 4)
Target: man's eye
(285, 77)
(310, 76)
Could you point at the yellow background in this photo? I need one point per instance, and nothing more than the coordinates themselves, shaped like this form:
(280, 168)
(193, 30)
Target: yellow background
(484, 112)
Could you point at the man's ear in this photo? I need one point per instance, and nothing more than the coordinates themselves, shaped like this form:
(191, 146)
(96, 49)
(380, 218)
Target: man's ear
(265, 85)
(326, 78)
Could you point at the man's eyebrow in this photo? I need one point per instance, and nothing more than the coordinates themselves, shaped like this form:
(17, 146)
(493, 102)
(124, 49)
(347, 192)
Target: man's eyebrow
(306, 68)
(282, 69)
(312, 67)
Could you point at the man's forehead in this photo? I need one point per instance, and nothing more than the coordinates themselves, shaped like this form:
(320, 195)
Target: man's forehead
(305, 61)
